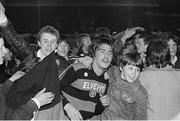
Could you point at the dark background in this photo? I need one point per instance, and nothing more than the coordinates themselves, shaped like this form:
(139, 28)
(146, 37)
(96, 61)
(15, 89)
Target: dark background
(71, 16)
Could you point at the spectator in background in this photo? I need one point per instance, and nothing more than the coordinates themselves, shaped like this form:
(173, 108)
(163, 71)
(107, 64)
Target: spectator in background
(83, 42)
(62, 55)
(142, 43)
(102, 31)
(161, 82)
(172, 42)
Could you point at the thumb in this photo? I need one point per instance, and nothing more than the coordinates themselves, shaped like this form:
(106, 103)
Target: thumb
(43, 90)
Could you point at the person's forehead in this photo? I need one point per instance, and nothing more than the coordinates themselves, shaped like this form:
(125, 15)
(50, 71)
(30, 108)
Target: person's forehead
(48, 36)
(171, 41)
(63, 43)
(105, 47)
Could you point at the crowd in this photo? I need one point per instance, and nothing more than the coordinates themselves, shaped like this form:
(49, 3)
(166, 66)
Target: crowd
(132, 75)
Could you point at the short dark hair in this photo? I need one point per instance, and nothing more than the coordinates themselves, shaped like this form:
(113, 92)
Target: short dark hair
(102, 31)
(98, 41)
(48, 29)
(147, 37)
(130, 59)
(167, 36)
(158, 53)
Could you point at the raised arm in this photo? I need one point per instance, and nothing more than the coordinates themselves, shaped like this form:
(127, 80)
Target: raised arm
(17, 44)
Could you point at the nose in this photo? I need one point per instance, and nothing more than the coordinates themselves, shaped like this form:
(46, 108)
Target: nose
(134, 72)
(49, 44)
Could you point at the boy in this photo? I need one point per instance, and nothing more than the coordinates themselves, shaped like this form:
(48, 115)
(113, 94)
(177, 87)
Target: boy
(84, 89)
(25, 111)
(128, 96)
(33, 59)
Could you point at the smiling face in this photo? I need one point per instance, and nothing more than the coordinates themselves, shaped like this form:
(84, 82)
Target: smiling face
(47, 43)
(130, 73)
(63, 49)
(103, 56)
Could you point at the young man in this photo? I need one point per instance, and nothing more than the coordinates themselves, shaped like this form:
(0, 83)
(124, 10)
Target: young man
(33, 61)
(25, 111)
(141, 43)
(84, 89)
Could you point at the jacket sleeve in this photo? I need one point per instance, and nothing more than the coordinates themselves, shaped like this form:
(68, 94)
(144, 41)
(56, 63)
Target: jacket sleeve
(6, 86)
(16, 43)
(25, 112)
(141, 104)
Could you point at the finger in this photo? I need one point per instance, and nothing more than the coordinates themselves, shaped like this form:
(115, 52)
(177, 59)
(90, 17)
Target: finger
(103, 97)
(43, 90)
(80, 117)
(51, 97)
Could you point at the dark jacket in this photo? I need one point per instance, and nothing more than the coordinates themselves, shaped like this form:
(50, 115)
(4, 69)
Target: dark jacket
(25, 112)
(36, 77)
(20, 48)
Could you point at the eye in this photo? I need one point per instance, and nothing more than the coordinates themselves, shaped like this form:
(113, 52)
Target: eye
(138, 70)
(45, 41)
(130, 67)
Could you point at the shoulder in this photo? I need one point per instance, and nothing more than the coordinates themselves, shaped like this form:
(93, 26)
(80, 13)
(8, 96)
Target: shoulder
(141, 92)
(78, 66)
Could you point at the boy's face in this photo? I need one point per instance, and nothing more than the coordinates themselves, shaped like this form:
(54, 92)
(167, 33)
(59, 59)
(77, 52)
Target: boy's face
(63, 48)
(86, 41)
(103, 56)
(141, 47)
(47, 43)
(3, 50)
(172, 47)
(130, 73)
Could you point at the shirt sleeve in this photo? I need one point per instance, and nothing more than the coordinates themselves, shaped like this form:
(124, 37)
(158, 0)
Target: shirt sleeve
(67, 78)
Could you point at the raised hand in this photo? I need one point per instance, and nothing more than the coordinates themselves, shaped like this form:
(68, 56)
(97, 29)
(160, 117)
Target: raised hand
(3, 18)
(44, 97)
(130, 32)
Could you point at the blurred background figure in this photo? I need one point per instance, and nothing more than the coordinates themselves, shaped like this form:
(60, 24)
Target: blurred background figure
(83, 42)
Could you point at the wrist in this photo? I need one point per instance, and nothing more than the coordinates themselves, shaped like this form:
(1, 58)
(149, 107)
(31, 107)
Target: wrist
(36, 101)
(11, 79)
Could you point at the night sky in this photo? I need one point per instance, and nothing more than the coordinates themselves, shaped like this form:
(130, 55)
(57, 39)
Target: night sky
(28, 16)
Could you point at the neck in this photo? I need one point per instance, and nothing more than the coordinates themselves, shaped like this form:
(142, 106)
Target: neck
(172, 57)
(40, 55)
(99, 71)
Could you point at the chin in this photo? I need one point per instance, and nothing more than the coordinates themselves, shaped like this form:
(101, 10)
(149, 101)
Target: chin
(105, 66)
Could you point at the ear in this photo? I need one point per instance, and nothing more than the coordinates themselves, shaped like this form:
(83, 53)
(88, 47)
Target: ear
(39, 43)
(120, 68)
(146, 47)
